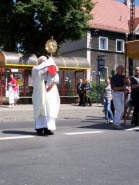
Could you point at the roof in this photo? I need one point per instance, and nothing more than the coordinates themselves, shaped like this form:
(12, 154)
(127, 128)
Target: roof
(111, 15)
(136, 23)
(17, 60)
(72, 63)
(27, 61)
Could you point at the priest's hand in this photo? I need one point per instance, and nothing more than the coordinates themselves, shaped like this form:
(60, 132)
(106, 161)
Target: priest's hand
(49, 88)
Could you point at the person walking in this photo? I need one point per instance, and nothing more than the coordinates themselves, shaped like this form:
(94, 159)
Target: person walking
(80, 91)
(135, 96)
(53, 99)
(118, 86)
(112, 105)
(45, 106)
(107, 97)
(128, 106)
(12, 89)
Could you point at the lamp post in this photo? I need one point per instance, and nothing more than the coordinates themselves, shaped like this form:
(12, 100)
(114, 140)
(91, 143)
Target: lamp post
(100, 67)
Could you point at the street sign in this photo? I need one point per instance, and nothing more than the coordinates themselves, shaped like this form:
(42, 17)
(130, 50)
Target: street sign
(93, 72)
(101, 62)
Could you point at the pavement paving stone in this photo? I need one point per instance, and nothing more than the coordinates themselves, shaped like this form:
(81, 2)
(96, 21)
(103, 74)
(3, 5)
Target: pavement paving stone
(24, 112)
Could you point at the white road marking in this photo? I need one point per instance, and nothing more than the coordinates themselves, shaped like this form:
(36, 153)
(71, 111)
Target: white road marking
(77, 133)
(16, 137)
(134, 128)
(70, 133)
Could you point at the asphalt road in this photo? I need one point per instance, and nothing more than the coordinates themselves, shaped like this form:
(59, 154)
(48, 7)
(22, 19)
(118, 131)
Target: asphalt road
(81, 152)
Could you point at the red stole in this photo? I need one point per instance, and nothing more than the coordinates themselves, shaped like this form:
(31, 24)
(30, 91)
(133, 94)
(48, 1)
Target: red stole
(51, 70)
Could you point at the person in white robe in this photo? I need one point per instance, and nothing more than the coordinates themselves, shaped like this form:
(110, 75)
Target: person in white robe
(41, 103)
(52, 95)
(39, 98)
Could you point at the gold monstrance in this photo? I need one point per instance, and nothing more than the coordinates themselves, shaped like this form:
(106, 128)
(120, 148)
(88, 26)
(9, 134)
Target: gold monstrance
(51, 46)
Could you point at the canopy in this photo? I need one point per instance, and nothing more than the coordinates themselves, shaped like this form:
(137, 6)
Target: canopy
(73, 63)
(27, 61)
(132, 49)
(17, 60)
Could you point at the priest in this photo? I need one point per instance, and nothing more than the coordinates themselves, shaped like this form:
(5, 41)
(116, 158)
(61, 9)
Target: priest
(46, 100)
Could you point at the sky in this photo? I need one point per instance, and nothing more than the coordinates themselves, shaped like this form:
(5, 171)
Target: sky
(136, 2)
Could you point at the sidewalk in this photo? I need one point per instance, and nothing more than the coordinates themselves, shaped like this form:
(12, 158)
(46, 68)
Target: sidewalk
(24, 112)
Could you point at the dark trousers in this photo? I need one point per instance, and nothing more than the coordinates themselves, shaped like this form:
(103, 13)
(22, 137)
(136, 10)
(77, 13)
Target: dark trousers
(135, 101)
(112, 109)
(84, 98)
(81, 98)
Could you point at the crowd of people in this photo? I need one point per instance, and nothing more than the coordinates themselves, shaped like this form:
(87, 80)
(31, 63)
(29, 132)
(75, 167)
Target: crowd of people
(120, 93)
(120, 96)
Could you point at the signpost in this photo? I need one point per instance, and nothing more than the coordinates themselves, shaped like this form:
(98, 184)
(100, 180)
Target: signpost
(100, 67)
(101, 62)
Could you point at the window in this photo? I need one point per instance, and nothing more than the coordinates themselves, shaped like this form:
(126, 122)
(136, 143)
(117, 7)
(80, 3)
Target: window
(103, 43)
(119, 45)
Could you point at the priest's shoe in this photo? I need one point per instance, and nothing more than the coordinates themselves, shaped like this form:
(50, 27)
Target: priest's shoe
(39, 132)
(48, 132)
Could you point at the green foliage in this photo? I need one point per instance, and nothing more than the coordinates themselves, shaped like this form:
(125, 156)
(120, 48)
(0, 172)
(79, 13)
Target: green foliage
(96, 93)
(28, 24)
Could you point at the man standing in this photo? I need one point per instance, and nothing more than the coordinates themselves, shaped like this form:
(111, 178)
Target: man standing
(118, 87)
(42, 103)
(80, 91)
(87, 87)
(135, 96)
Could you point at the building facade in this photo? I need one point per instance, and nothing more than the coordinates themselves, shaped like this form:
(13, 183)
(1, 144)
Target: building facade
(106, 37)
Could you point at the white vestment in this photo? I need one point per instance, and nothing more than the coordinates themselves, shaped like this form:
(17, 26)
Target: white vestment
(39, 99)
(53, 100)
(45, 104)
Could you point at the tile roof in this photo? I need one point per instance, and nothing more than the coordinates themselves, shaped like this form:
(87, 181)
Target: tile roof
(111, 15)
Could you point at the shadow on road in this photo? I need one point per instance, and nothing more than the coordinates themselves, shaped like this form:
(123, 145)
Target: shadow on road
(99, 123)
(18, 132)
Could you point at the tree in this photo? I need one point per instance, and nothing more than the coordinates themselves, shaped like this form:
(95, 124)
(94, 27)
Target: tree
(26, 25)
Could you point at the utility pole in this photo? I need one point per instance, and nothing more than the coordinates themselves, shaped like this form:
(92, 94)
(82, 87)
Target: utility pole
(132, 19)
(131, 32)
